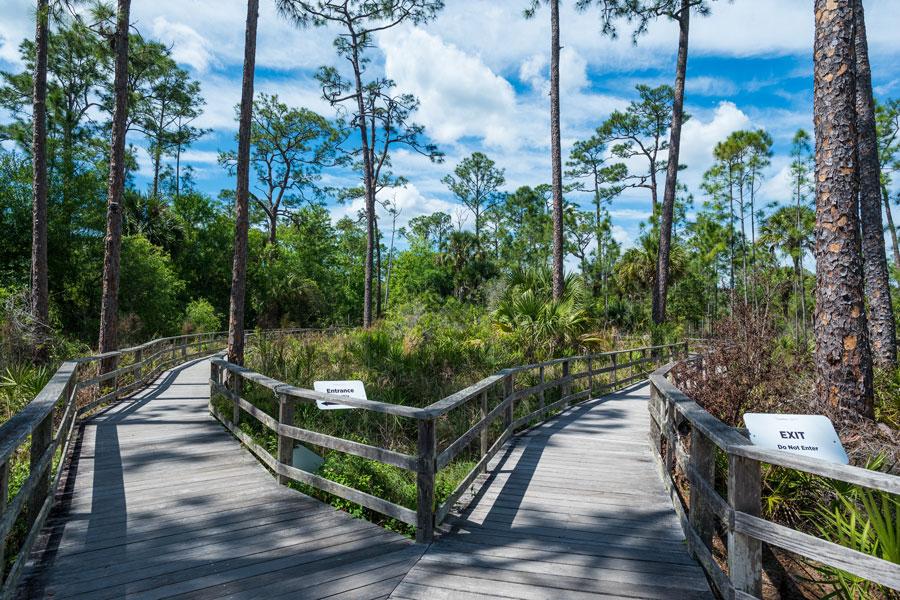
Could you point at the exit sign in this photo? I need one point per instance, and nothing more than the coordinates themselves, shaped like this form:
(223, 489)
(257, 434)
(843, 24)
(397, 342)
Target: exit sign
(807, 435)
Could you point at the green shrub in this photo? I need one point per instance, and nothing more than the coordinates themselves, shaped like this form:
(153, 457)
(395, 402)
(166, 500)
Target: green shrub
(201, 317)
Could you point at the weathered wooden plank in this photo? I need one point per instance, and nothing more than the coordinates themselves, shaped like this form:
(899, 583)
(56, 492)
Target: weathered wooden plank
(389, 457)
(867, 566)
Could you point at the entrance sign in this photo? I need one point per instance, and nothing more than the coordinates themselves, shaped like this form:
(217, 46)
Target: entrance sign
(807, 435)
(350, 389)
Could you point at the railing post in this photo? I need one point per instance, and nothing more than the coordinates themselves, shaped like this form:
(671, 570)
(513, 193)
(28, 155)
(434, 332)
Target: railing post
(631, 360)
(286, 406)
(508, 387)
(484, 431)
(213, 380)
(615, 371)
(40, 441)
(566, 386)
(184, 349)
(655, 431)
(703, 460)
(139, 358)
(425, 482)
(744, 552)
(687, 349)
(236, 390)
(4, 490)
(541, 395)
(590, 379)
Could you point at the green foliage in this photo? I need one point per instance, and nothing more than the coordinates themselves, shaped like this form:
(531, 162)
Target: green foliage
(865, 520)
(536, 321)
(148, 292)
(201, 317)
(19, 384)
(887, 396)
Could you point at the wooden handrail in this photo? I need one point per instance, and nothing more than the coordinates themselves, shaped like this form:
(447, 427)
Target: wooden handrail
(60, 396)
(740, 511)
(428, 461)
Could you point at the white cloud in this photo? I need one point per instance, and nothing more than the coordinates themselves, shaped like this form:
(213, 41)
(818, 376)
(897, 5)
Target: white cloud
(620, 235)
(460, 96)
(711, 86)
(699, 137)
(188, 46)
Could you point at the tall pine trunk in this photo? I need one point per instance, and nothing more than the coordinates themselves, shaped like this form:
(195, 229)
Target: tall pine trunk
(843, 361)
(242, 194)
(661, 290)
(891, 228)
(882, 336)
(40, 293)
(110, 304)
(556, 153)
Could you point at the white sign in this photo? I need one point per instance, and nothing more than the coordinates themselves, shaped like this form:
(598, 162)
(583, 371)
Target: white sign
(807, 435)
(350, 389)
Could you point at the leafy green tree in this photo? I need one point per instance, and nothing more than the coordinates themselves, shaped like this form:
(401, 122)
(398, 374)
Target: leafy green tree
(430, 230)
(588, 160)
(290, 147)
(527, 227)
(887, 127)
(801, 186)
(476, 182)
(581, 232)
(381, 115)
(149, 291)
(640, 132)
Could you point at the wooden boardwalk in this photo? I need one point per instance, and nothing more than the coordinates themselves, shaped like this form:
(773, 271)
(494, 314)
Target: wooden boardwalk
(162, 502)
(571, 509)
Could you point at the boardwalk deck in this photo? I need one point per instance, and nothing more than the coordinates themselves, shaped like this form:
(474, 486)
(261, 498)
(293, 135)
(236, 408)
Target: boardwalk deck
(161, 502)
(573, 508)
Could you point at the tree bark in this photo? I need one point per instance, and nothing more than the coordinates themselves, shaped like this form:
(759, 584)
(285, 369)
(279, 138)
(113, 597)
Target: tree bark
(40, 293)
(882, 336)
(378, 271)
(658, 309)
(242, 193)
(843, 361)
(113, 243)
(556, 154)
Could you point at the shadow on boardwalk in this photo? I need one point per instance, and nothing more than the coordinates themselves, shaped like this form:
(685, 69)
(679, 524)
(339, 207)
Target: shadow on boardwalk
(572, 508)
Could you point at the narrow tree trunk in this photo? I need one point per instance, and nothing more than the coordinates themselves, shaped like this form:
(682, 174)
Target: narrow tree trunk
(753, 245)
(387, 283)
(110, 303)
(731, 248)
(40, 293)
(178, 171)
(891, 228)
(377, 271)
(556, 153)
(242, 193)
(157, 159)
(668, 208)
(882, 336)
(273, 228)
(797, 302)
(744, 247)
(843, 361)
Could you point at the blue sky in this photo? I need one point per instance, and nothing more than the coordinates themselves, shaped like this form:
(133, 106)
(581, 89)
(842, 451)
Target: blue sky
(481, 70)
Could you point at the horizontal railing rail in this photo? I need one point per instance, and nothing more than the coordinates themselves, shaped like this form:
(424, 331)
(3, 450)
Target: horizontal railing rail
(226, 381)
(74, 390)
(672, 411)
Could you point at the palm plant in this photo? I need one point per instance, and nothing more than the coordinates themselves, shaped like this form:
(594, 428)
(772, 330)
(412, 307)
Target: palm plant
(540, 322)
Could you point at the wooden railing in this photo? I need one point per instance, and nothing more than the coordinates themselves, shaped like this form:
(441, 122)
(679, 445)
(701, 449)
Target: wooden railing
(672, 412)
(49, 420)
(597, 373)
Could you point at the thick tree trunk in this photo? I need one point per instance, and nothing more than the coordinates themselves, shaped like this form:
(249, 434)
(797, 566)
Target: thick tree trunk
(40, 293)
(843, 361)
(110, 303)
(661, 289)
(882, 336)
(242, 193)
(556, 153)
(273, 228)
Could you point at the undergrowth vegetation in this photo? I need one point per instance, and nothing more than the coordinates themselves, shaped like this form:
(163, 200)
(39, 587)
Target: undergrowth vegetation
(750, 365)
